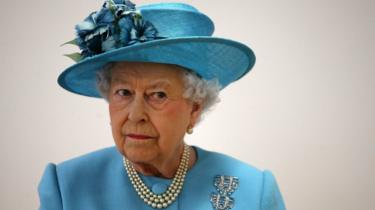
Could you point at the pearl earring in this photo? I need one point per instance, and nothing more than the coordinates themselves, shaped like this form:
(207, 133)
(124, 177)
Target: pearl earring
(189, 130)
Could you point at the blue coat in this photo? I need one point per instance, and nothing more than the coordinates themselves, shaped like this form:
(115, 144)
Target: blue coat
(98, 181)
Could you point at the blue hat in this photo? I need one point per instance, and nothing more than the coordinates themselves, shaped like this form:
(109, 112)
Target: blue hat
(171, 33)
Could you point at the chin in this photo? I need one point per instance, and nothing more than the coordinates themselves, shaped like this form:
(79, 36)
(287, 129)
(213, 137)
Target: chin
(140, 152)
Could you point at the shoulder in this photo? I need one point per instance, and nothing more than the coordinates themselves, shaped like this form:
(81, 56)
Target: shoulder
(72, 182)
(211, 164)
(256, 186)
(95, 162)
(95, 158)
(226, 163)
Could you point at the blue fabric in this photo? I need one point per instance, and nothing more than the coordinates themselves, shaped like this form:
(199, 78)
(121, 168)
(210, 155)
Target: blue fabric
(98, 181)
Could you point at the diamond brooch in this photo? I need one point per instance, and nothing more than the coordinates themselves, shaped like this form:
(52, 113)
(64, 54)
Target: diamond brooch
(225, 186)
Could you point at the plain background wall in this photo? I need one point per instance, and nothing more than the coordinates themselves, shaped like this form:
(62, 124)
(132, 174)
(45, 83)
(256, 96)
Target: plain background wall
(306, 111)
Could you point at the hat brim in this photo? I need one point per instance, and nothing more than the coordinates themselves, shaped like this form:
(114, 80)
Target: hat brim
(210, 57)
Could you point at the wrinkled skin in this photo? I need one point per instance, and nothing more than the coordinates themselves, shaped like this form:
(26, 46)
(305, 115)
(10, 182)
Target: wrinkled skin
(149, 116)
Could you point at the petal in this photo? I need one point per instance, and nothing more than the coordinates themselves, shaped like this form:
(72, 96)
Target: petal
(109, 44)
(105, 16)
(85, 26)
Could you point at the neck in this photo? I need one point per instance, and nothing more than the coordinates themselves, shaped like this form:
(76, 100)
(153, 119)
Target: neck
(165, 169)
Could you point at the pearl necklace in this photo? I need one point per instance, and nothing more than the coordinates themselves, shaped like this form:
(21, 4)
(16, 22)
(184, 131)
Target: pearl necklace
(168, 197)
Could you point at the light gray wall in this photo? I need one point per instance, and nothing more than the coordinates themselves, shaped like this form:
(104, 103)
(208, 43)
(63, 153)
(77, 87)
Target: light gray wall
(306, 112)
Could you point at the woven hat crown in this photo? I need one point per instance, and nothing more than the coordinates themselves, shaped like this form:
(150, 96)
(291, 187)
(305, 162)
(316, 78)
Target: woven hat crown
(177, 20)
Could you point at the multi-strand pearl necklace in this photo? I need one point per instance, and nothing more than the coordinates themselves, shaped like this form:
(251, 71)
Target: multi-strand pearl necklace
(168, 197)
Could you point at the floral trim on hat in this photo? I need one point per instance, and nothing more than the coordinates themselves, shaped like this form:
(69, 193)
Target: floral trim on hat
(117, 24)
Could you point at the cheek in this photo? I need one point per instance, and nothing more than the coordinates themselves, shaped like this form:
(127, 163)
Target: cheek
(117, 117)
(173, 120)
(116, 112)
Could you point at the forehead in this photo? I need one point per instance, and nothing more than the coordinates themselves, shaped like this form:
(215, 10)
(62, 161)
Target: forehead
(147, 73)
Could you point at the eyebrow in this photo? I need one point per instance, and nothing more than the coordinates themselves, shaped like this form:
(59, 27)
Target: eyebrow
(120, 80)
(154, 84)
(160, 83)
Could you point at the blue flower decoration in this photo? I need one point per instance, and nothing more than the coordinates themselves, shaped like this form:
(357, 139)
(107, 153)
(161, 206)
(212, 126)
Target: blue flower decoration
(125, 4)
(115, 25)
(134, 29)
(94, 30)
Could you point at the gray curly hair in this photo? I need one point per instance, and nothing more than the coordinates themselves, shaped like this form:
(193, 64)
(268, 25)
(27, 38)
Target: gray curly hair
(196, 88)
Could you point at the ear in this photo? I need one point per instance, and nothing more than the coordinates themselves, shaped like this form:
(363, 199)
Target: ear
(195, 112)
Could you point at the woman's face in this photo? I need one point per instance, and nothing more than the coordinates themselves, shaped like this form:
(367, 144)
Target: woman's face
(149, 116)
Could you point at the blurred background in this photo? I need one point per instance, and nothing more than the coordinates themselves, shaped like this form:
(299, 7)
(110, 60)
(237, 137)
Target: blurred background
(305, 112)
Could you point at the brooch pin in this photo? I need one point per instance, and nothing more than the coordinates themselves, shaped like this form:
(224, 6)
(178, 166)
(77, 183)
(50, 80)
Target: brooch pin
(225, 186)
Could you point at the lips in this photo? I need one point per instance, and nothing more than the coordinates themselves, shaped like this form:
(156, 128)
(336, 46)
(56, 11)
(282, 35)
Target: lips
(139, 136)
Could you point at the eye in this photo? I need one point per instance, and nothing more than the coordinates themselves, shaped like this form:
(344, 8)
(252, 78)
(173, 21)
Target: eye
(123, 92)
(157, 97)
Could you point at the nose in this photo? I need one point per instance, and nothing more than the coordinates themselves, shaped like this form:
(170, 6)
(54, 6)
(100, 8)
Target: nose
(137, 110)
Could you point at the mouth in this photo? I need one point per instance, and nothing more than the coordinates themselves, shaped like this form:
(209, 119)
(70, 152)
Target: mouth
(139, 136)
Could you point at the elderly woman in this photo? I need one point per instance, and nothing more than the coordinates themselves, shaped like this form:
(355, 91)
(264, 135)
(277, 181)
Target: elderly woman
(159, 68)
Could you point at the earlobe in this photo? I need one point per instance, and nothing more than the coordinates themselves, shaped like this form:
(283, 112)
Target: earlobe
(197, 107)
